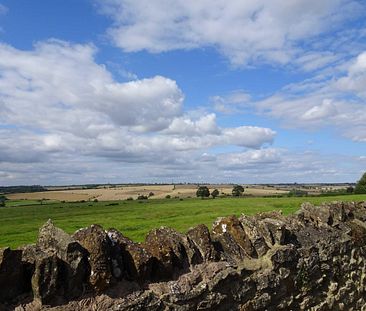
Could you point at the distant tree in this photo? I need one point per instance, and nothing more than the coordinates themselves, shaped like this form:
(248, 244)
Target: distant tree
(142, 197)
(361, 185)
(237, 191)
(203, 192)
(215, 193)
(297, 193)
(350, 189)
(3, 198)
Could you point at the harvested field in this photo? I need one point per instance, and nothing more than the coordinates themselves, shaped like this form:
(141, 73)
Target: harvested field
(124, 192)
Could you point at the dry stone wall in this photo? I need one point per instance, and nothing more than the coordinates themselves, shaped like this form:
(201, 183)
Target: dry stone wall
(313, 260)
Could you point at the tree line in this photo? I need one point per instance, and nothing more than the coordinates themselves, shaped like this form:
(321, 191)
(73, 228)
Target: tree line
(204, 192)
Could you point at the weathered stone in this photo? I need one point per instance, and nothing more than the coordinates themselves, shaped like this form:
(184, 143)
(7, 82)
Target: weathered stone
(358, 231)
(284, 256)
(251, 227)
(95, 240)
(274, 229)
(74, 257)
(12, 277)
(320, 215)
(29, 255)
(200, 236)
(47, 280)
(270, 215)
(129, 260)
(235, 243)
(173, 250)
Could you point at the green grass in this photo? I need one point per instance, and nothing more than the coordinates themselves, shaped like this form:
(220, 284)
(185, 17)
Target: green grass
(28, 202)
(19, 224)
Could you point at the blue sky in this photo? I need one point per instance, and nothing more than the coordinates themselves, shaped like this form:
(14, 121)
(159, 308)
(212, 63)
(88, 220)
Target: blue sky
(140, 91)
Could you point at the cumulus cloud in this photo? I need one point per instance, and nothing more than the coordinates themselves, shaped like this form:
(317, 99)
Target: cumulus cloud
(334, 98)
(185, 125)
(64, 79)
(355, 79)
(58, 104)
(250, 159)
(246, 32)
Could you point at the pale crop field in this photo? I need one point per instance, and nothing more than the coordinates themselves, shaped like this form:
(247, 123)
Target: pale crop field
(124, 192)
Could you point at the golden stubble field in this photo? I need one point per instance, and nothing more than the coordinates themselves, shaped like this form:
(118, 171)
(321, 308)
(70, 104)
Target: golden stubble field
(124, 192)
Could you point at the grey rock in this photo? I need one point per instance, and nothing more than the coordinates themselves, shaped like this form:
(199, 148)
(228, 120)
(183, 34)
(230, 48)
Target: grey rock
(95, 240)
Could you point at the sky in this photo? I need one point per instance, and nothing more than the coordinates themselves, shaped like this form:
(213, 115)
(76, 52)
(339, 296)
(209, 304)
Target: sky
(209, 91)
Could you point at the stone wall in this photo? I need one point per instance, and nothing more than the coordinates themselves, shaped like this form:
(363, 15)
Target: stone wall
(313, 260)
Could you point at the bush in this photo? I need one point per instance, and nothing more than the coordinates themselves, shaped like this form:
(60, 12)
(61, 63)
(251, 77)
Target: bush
(237, 191)
(142, 197)
(151, 194)
(129, 199)
(202, 192)
(168, 196)
(297, 193)
(95, 200)
(350, 189)
(215, 193)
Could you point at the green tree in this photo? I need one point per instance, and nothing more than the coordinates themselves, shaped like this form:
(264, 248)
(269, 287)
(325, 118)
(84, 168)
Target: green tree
(237, 191)
(361, 185)
(215, 193)
(3, 198)
(350, 189)
(203, 192)
(297, 193)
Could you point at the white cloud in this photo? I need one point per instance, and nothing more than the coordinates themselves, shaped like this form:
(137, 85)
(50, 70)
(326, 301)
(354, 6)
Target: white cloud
(246, 32)
(252, 166)
(250, 159)
(314, 60)
(234, 102)
(325, 110)
(57, 104)
(334, 98)
(148, 104)
(3, 9)
(355, 80)
(248, 136)
(65, 79)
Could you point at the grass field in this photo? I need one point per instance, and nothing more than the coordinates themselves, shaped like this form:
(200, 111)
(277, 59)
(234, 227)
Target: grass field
(20, 220)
